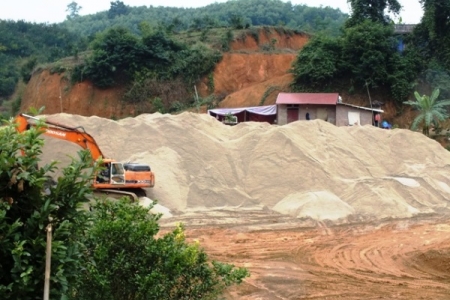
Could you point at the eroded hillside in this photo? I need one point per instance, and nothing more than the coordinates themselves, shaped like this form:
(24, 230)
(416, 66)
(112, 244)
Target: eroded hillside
(249, 74)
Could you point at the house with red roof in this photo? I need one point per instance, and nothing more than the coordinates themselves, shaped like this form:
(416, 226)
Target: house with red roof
(328, 107)
(292, 107)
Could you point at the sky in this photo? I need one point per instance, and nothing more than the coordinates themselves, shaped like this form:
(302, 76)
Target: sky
(54, 11)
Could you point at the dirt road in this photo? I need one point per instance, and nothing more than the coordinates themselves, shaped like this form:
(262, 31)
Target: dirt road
(293, 259)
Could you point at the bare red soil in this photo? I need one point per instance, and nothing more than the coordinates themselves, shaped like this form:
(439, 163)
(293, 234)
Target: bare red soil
(397, 259)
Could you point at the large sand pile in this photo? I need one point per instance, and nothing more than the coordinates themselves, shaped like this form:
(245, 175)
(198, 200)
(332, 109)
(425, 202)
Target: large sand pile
(304, 169)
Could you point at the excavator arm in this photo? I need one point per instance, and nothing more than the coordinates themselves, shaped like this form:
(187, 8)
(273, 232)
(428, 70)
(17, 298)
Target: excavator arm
(75, 135)
(115, 176)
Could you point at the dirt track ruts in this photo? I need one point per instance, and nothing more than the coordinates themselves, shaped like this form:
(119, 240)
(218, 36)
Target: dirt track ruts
(399, 259)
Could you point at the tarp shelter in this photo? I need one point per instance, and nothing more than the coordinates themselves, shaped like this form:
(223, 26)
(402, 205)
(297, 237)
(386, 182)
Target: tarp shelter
(266, 113)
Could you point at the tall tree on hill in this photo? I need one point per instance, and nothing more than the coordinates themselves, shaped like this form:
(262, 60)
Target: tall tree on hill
(117, 8)
(373, 10)
(431, 111)
(432, 35)
(73, 8)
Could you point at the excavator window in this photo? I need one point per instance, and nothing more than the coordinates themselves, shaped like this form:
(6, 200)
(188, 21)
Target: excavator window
(117, 173)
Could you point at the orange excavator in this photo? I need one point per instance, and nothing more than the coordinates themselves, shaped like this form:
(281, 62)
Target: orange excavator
(122, 179)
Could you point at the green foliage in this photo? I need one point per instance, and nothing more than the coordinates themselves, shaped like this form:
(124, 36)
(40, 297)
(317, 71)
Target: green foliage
(116, 56)
(236, 21)
(15, 105)
(29, 203)
(437, 77)
(37, 43)
(117, 8)
(431, 111)
(158, 95)
(367, 51)
(119, 56)
(363, 10)
(58, 69)
(248, 13)
(27, 68)
(8, 76)
(211, 85)
(158, 105)
(226, 39)
(431, 37)
(267, 93)
(366, 54)
(124, 259)
(196, 62)
(318, 63)
(73, 8)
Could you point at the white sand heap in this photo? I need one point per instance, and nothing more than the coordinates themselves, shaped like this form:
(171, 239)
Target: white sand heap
(306, 169)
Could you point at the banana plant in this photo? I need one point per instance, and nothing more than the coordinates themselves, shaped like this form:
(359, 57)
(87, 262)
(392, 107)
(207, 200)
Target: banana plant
(431, 111)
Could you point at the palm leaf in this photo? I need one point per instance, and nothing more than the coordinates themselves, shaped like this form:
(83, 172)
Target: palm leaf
(417, 121)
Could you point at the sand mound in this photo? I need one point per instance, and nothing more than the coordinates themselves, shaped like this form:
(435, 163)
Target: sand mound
(312, 169)
(321, 205)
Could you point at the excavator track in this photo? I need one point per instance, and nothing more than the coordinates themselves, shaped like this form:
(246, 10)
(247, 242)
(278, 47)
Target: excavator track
(118, 194)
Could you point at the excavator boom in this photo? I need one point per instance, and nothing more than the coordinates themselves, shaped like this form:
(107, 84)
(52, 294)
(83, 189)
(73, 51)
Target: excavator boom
(115, 177)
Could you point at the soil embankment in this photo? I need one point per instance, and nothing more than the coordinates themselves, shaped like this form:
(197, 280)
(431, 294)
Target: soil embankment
(244, 76)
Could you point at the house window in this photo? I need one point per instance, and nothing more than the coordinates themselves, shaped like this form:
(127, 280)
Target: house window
(292, 106)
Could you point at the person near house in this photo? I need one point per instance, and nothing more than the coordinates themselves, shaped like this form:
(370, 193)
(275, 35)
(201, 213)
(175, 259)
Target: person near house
(386, 125)
(307, 116)
(377, 119)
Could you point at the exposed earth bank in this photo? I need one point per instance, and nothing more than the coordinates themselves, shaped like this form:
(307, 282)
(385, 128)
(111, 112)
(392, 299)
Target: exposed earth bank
(247, 67)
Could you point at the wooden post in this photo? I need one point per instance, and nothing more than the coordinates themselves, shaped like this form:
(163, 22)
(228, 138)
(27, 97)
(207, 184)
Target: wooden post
(370, 99)
(48, 255)
(197, 103)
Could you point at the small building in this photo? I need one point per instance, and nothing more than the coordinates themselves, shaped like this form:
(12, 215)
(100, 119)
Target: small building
(325, 106)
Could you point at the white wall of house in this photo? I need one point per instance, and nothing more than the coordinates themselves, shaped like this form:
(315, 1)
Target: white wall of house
(335, 114)
(342, 115)
(324, 112)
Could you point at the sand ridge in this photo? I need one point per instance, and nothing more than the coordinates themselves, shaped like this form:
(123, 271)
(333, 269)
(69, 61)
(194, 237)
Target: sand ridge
(307, 169)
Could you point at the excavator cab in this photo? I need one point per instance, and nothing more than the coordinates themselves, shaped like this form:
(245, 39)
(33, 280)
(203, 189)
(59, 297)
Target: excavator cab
(112, 173)
(117, 173)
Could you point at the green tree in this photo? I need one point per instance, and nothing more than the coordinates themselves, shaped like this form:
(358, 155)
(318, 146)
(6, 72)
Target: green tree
(431, 111)
(317, 64)
(117, 8)
(26, 69)
(115, 57)
(368, 48)
(124, 259)
(373, 10)
(29, 202)
(432, 35)
(73, 8)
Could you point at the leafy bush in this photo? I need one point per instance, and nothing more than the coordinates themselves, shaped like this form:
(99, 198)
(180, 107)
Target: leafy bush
(318, 63)
(27, 68)
(365, 55)
(124, 259)
(8, 76)
(28, 205)
(121, 57)
(116, 56)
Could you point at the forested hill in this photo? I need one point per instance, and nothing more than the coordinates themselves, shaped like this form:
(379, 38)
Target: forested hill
(234, 13)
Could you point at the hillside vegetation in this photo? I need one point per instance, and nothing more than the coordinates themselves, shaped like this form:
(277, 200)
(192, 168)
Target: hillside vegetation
(158, 63)
(234, 13)
(27, 47)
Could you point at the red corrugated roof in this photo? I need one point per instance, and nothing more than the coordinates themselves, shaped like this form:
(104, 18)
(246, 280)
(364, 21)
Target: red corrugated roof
(308, 98)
